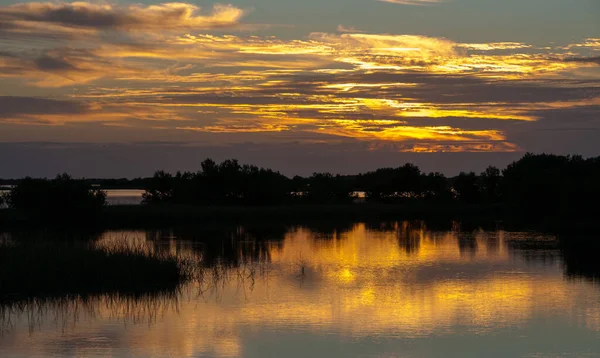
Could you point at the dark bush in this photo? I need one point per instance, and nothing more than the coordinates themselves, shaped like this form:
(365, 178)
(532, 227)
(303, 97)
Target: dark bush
(62, 199)
(49, 268)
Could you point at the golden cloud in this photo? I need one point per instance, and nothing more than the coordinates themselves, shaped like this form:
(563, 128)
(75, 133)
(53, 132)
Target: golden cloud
(72, 18)
(407, 90)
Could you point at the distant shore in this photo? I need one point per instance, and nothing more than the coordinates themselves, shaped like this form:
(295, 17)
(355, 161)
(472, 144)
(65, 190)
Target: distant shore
(150, 216)
(144, 215)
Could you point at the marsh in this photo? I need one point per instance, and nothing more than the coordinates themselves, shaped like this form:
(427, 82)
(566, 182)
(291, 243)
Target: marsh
(398, 288)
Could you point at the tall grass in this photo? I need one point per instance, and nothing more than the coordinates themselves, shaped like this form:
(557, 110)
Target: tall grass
(38, 269)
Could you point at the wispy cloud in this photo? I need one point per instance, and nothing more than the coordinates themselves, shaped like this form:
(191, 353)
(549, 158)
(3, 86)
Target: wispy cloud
(413, 2)
(494, 46)
(352, 29)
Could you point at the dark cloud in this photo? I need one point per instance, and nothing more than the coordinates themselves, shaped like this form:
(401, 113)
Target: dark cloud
(69, 15)
(595, 60)
(464, 123)
(47, 63)
(447, 89)
(439, 89)
(7, 54)
(19, 106)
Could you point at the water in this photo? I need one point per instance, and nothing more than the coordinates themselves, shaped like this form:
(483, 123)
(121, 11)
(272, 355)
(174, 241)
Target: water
(369, 290)
(123, 196)
(113, 196)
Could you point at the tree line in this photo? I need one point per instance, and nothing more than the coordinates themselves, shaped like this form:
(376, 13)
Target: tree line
(542, 181)
(542, 184)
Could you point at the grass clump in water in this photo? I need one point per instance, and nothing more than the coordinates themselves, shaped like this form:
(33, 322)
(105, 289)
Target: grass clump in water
(49, 269)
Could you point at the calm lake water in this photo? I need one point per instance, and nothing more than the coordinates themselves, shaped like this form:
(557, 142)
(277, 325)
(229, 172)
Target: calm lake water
(124, 196)
(355, 290)
(113, 196)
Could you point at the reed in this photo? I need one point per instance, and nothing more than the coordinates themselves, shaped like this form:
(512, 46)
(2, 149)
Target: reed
(38, 269)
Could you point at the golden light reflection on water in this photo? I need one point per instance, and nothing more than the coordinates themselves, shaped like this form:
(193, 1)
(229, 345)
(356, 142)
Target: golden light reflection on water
(399, 281)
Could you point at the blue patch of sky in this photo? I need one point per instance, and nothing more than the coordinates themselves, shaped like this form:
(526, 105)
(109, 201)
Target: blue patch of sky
(538, 22)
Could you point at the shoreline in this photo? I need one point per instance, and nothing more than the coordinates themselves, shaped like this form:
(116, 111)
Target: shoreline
(160, 216)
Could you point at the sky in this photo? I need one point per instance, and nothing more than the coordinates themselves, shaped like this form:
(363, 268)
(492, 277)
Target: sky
(120, 89)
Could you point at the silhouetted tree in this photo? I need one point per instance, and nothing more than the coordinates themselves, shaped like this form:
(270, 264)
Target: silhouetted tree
(327, 188)
(159, 189)
(436, 187)
(466, 186)
(552, 185)
(490, 182)
(534, 185)
(225, 183)
(389, 184)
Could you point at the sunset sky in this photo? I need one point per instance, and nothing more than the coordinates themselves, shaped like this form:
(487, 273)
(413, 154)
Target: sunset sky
(121, 89)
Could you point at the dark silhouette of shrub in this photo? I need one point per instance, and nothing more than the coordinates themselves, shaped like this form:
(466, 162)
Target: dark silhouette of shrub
(41, 268)
(62, 199)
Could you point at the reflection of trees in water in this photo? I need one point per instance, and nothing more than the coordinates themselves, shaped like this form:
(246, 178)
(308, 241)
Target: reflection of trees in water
(580, 255)
(492, 242)
(54, 234)
(409, 234)
(236, 257)
(467, 244)
(535, 248)
(467, 238)
(577, 253)
(235, 245)
(329, 229)
(222, 255)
